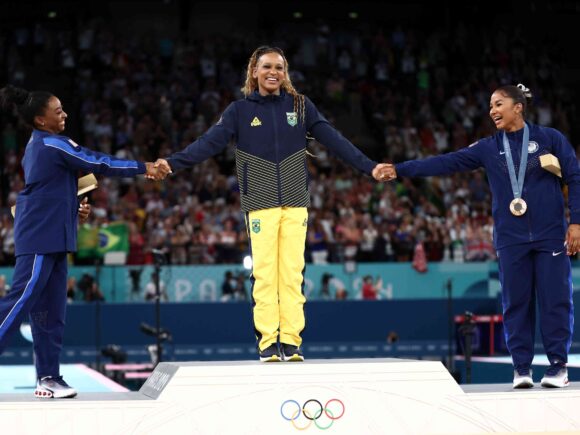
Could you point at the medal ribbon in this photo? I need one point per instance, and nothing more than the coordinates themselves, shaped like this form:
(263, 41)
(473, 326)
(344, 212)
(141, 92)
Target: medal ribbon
(517, 184)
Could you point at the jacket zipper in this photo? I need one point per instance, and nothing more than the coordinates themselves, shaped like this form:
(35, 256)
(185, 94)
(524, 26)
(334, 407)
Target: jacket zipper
(278, 180)
(529, 217)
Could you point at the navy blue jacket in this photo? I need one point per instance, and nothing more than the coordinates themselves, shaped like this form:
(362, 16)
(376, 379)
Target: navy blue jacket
(545, 217)
(47, 208)
(271, 149)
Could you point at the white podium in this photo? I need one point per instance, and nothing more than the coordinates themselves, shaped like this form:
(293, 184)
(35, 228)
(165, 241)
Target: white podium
(349, 396)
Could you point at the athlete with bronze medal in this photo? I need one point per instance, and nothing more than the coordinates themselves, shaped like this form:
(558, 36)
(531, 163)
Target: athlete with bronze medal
(518, 206)
(532, 253)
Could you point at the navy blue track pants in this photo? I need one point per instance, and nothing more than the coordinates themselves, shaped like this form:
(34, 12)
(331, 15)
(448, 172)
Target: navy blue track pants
(38, 290)
(536, 271)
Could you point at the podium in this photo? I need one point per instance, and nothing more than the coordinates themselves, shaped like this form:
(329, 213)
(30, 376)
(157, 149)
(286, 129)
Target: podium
(357, 396)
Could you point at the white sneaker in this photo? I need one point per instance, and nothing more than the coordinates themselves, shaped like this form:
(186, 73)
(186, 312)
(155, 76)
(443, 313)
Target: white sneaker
(556, 377)
(54, 387)
(523, 378)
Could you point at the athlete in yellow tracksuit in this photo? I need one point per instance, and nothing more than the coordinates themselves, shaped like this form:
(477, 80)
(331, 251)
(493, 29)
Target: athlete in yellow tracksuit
(269, 127)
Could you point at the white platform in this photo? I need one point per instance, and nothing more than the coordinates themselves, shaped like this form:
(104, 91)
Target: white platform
(380, 396)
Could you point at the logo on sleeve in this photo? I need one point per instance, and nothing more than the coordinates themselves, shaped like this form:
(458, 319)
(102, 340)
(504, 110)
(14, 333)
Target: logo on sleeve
(256, 122)
(292, 118)
(73, 143)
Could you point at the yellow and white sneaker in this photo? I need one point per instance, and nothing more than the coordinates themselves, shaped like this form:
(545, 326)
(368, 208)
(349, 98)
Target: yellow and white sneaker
(291, 353)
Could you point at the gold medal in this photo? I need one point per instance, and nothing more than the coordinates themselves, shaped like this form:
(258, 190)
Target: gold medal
(518, 207)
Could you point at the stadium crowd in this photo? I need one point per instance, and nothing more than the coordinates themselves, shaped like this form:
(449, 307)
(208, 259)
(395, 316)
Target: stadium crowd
(398, 93)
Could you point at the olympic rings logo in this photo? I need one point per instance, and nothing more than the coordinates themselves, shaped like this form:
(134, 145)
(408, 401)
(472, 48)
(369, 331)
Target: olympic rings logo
(313, 411)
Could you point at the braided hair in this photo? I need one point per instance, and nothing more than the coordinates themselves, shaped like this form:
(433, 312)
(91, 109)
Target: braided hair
(28, 105)
(251, 83)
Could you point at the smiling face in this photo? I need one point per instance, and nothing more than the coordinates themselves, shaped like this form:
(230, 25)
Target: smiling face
(270, 71)
(505, 113)
(53, 118)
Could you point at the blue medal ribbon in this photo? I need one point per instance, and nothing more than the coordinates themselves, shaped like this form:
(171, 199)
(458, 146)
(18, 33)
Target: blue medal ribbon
(517, 184)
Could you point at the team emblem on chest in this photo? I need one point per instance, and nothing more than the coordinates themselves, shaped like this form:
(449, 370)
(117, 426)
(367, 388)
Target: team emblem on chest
(256, 122)
(256, 225)
(292, 118)
(533, 147)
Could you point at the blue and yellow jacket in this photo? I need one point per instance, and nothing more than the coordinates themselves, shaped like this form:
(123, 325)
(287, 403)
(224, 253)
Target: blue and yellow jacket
(47, 208)
(270, 149)
(545, 217)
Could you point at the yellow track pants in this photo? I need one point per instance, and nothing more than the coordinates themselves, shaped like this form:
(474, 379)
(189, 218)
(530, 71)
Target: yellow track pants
(277, 240)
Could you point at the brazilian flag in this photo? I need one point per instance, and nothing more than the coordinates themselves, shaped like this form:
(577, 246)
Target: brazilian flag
(113, 237)
(87, 241)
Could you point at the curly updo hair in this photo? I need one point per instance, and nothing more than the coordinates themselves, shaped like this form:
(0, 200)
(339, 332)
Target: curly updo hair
(28, 104)
(520, 94)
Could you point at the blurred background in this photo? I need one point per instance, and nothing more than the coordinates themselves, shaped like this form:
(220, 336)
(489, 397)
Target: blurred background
(390, 266)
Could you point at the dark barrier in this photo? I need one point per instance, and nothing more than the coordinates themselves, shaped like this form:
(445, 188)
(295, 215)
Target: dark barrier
(214, 323)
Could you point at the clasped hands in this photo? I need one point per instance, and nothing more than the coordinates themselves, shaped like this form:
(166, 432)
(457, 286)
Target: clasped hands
(157, 171)
(160, 169)
(384, 172)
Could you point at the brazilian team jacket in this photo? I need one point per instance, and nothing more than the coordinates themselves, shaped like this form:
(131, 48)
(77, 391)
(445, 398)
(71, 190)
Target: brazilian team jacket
(545, 217)
(271, 149)
(47, 207)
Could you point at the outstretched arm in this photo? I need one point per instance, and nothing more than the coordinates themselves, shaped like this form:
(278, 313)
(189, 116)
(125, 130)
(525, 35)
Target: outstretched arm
(207, 145)
(466, 159)
(336, 143)
(74, 156)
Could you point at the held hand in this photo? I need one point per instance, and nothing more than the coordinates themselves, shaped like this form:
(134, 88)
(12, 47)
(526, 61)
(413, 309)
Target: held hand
(162, 165)
(573, 239)
(157, 171)
(384, 172)
(84, 210)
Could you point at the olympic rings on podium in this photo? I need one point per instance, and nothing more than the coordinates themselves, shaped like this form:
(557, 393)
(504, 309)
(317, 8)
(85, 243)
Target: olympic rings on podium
(304, 410)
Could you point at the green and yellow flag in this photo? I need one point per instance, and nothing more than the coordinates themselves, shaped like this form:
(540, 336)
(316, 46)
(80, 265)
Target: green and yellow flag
(87, 241)
(95, 242)
(113, 237)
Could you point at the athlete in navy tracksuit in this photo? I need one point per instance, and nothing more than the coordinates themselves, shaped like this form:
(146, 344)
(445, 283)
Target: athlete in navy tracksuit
(531, 248)
(269, 127)
(45, 229)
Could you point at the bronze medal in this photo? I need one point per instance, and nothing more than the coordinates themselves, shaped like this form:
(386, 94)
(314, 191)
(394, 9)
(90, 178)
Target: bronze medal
(518, 207)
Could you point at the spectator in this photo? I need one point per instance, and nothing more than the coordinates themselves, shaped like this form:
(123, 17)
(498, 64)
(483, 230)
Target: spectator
(369, 291)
